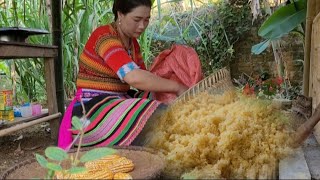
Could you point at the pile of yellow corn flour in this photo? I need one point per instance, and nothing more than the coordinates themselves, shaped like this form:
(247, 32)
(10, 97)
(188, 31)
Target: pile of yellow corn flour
(222, 136)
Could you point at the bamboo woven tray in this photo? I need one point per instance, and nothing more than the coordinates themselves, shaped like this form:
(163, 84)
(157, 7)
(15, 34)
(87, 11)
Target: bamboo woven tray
(148, 165)
(216, 83)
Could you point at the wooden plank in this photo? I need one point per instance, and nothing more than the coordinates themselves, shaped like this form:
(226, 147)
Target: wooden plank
(51, 95)
(294, 166)
(311, 149)
(311, 4)
(317, 6)
(22, 120)
(50, 85)
(14, 50)
(315, 69)
(28, 124)
(312, 155)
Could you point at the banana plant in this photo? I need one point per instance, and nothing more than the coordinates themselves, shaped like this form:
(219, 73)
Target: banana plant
(284, 20)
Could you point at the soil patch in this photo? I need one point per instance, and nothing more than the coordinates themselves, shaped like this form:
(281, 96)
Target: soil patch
(23, 144)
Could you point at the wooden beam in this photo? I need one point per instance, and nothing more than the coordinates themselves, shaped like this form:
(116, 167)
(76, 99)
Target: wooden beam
(314, 70)
(51, 95)
(28, 124)
(11, 50)
(19, 120)
(317, 7)
(307, 48)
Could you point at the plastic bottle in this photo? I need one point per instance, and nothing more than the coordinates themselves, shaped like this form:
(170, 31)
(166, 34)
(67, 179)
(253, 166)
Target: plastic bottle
(6, 92)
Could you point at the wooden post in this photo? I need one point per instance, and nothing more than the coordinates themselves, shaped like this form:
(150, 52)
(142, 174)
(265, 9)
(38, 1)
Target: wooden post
(317, 7)
(313, 75)
(307, 48)
(56, 6)
(51, 95)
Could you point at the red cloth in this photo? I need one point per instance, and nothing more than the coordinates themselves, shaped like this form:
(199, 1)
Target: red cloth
(180, 63)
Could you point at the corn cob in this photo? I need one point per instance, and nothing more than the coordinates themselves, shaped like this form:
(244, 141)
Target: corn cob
(121, 164)
(110, 157)
(89, 174)
(94, 174)
(101, 162)
(122, 176)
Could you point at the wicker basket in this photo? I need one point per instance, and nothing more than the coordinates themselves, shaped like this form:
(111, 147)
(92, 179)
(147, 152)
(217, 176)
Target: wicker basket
(216, 83)
(147, 165)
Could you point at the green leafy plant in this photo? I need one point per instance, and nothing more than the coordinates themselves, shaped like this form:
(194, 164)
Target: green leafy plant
(267, 89)
(56, 156)
(28, 73)
(284, 20)
(145, 41)
(211, 29)
(79, 18)
(288, 18)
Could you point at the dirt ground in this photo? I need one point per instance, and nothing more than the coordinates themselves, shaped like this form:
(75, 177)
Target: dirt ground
(22, 145)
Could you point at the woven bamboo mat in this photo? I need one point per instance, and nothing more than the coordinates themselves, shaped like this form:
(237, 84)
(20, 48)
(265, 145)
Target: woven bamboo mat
(147, 165)
(216, 83)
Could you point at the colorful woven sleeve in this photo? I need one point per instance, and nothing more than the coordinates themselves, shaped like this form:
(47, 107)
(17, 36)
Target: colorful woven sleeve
(114, 55)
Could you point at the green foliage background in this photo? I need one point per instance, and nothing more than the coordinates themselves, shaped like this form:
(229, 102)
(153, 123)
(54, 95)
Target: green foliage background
(211, 27)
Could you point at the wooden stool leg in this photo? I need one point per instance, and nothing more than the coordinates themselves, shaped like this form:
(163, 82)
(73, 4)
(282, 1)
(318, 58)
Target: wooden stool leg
(51, 95)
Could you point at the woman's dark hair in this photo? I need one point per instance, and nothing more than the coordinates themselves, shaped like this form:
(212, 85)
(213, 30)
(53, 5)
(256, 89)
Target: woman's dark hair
(126, 6)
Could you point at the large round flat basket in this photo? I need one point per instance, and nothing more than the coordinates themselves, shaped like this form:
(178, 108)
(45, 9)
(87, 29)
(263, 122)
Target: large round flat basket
(216, 83)
(148, 165)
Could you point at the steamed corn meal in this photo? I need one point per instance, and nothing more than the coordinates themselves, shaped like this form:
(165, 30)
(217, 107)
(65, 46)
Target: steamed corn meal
(209, 136)
(222, 136)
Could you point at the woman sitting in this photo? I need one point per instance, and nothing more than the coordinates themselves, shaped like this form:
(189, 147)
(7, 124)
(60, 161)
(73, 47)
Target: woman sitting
(110, 64)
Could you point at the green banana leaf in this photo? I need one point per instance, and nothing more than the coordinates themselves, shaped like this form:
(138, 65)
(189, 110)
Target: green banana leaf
(259, 48)
(284, 20)
(281, 22)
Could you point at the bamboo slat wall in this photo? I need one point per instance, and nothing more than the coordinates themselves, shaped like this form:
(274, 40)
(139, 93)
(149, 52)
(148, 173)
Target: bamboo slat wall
(314, 88)
(311, 13)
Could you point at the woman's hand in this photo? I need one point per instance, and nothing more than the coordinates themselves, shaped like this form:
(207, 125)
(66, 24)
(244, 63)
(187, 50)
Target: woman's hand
(145, 80)
(182, 89)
